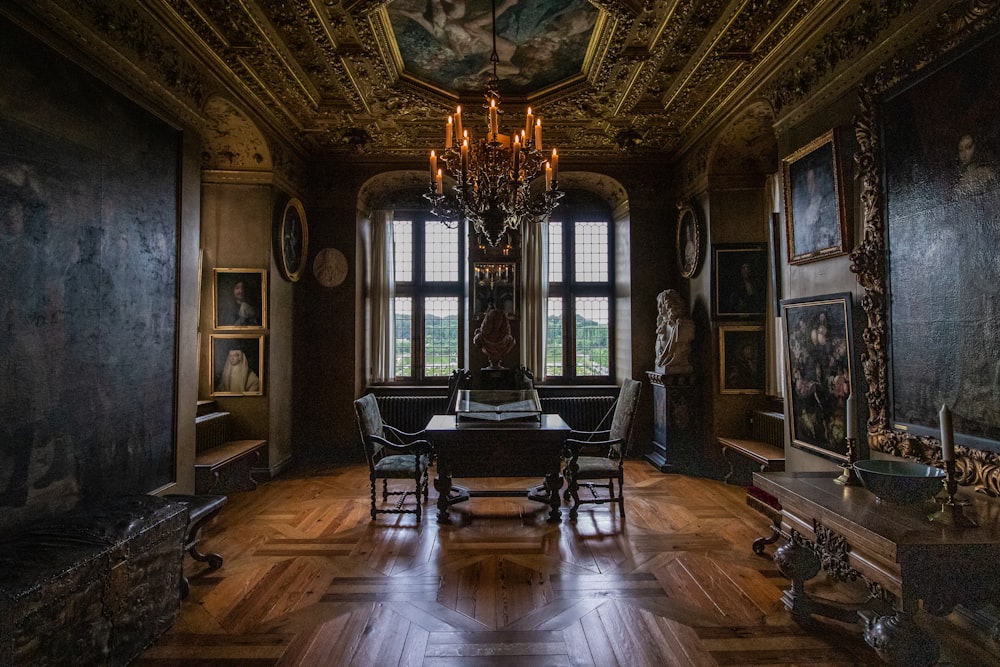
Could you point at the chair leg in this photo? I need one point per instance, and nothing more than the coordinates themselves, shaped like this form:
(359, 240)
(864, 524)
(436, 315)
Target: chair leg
(373, 496)
(418, 478)
(621, 496)
(385, 490)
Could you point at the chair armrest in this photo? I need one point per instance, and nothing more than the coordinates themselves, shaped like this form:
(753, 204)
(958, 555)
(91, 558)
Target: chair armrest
(573, 448)
(414, 447)
(403, 436)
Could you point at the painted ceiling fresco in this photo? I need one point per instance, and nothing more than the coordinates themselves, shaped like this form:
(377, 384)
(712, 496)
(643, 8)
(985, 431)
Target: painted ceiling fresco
(449, 44)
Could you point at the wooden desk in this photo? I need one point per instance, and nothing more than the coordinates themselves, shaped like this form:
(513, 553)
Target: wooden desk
(897, 551)
(472, 448)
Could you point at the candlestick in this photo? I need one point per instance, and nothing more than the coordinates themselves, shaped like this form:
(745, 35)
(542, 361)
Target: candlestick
(852, 427)
(849, 476)
(947, 435)
(952, 512)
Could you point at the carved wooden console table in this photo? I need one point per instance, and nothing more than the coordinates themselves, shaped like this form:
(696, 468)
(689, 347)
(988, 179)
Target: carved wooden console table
(902, 557)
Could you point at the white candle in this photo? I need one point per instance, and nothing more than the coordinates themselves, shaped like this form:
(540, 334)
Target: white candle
(439, 182)
(449, 133)
(529, 122)
(555, 164)
(852, 427)
(458, 121)
(947, 435)
(548, 176)
(494, 123)
(434, 165)
(538, 134)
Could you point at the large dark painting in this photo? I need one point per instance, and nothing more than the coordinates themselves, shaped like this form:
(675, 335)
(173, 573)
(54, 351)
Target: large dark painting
(941, 142)
(88, 229)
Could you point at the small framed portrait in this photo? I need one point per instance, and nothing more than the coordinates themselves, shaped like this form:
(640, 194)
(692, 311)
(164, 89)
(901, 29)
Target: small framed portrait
(240, 297)
(815, 212)
(291, 240)
(819, 371)
(237, 365)
(742, 357)
(689, 241)
(739, 280)
(495, 284)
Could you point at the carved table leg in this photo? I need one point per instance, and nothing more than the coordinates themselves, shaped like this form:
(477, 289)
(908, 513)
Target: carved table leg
(898, 640)
(443, 485)
(799, 564)
(760, 543)
(553, 483)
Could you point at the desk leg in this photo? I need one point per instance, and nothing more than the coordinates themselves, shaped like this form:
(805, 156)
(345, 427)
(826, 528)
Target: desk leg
(443, 486)
(898, 640)
(553, 482)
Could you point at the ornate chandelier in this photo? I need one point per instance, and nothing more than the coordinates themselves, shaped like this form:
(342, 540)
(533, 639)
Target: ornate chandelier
(493, 175)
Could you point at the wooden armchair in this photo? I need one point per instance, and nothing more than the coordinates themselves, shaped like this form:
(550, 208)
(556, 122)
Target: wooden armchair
(392, 454)
(600, 455)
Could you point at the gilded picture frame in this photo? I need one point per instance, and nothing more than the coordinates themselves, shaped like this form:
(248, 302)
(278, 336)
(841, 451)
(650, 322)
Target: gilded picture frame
(240, 299)
(739, 280)
(742, 359)
(819, 371)
(237, 365)
(291, 240)
(815, 210)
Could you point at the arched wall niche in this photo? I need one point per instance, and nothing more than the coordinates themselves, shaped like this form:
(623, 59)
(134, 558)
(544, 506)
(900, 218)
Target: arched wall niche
(231, 141)
(747, 146)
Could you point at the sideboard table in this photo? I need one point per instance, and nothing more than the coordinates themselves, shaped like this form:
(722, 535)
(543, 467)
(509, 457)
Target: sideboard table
(901, 555)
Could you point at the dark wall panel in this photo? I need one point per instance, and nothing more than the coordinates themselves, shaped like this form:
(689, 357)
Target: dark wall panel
(88, 286)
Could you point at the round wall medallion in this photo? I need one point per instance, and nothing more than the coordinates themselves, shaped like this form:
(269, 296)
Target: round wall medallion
(330, 267)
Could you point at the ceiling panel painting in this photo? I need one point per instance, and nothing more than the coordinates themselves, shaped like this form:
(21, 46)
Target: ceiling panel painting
(448, 44)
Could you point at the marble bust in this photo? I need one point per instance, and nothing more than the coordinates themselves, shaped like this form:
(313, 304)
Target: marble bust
(674, 333)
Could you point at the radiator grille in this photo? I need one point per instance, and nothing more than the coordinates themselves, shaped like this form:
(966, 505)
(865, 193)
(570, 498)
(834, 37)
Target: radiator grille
(582, 413)
(768, 427)
(211, 430)
(411, 413)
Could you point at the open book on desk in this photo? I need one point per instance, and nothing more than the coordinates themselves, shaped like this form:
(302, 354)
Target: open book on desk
(498, 405)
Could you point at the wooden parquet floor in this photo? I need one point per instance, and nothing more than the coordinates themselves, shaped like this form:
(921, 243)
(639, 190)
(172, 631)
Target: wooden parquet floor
(309, 579)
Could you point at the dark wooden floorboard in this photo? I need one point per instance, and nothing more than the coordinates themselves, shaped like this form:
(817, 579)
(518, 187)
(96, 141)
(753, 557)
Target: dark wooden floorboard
(309, 579)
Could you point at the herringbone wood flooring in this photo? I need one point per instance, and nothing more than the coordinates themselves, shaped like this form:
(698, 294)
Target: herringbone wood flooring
(309, 579)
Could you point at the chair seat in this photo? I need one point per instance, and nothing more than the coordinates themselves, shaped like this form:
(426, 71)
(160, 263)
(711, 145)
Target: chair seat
(398, 466)
(596, 466)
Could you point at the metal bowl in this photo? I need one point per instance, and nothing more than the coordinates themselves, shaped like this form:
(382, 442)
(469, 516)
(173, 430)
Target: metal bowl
(904, 482)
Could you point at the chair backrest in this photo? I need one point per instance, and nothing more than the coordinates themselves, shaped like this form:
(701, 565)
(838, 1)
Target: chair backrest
(625, 409)
(460, 379)
(369, 423)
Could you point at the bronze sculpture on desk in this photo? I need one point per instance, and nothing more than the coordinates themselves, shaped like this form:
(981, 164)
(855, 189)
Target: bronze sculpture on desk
(493, 336)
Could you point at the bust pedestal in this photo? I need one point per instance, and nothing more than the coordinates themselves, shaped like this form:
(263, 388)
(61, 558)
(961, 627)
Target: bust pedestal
(674, 409)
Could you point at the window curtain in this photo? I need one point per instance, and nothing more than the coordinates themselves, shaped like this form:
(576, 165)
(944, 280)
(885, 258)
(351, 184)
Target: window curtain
(534, 296)
(383, 290)
(774, 340)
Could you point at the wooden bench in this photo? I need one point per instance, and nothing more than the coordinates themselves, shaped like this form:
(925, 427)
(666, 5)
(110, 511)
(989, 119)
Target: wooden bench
(765, 447)
(767, 456)
(221, 463)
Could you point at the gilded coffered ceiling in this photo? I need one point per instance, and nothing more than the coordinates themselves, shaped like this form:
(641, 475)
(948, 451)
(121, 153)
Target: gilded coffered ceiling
(378, 77)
